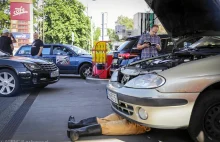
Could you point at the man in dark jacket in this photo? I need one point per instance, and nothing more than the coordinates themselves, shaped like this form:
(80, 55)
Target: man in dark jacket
(37, 46)
(6, 44)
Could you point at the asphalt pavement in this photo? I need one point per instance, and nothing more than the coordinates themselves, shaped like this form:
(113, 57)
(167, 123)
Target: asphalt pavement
(41, 115)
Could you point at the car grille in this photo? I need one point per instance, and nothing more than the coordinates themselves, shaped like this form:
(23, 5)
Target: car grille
(49, 67)
(124, 108)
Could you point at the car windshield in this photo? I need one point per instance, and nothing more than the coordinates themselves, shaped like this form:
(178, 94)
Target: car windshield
(126, 45)
(3, 54)
(206, 42)
(79, 50)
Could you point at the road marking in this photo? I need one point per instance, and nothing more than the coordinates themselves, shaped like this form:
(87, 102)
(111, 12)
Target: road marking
(17, 117)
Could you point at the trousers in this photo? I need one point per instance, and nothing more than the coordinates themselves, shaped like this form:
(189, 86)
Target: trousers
(114, 124)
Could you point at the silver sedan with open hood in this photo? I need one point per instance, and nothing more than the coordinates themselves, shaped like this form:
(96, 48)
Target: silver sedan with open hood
(181, 89)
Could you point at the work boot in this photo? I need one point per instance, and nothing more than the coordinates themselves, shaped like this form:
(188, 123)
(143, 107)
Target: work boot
(71, 119)
(91, 130)
(85, 122)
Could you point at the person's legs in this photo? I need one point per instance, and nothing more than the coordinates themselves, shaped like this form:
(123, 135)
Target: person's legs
(123, 127)
(111, 117)
(82, 123)
(92, 120)
(108, 127)
(90, 130)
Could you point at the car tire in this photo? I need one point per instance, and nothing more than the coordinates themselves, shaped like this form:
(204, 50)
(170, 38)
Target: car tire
(9, 83)
(205, 120)
(85, 70)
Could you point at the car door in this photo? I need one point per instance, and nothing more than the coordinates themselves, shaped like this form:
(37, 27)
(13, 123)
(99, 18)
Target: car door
(46, 53)
(61, 55)
(24, 51)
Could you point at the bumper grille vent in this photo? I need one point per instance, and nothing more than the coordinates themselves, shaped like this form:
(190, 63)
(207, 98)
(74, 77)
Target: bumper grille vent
(49, 67)
(124, 108)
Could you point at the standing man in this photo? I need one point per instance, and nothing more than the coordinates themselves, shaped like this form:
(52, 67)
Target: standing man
(6, 44)
(37, 46)
(150, 43)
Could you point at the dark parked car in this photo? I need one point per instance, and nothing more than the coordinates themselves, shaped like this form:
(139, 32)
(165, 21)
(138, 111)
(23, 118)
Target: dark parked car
(22, 72)
(69, 59)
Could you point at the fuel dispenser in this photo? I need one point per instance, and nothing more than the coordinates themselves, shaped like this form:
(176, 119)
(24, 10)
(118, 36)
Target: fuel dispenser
(99, 60)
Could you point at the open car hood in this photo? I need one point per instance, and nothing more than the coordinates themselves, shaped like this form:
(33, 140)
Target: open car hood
(188, 17)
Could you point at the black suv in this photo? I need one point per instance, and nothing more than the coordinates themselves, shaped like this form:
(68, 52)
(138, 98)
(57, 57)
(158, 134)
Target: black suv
(22, 72)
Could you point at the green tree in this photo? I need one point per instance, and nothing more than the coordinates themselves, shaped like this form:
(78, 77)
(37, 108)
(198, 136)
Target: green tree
(62, 17)
(128, 22)
(97, 34)
(4, 15)
(112, 35)
(38, 14)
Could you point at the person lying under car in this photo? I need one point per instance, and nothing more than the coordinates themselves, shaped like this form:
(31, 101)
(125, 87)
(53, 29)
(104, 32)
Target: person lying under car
(112, 124)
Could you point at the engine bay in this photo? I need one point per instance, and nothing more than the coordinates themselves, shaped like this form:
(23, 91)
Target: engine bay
(161, 63)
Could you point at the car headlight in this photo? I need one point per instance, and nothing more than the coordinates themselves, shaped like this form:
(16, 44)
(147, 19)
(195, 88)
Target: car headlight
(32, 66)
(133, 72)
(114, 77)
(147, 81)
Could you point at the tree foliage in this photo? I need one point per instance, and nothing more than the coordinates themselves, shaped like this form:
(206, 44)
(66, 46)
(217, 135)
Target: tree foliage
(62, 17)
(128, 22)
(4, 15)
(97, 34)
(112, 35)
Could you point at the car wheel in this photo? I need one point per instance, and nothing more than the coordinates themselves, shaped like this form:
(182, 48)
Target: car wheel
(9, 83)
(85, 71)
(205, 120)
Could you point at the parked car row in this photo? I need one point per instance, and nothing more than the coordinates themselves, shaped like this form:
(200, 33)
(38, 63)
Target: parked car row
(22, 70)
(180, 90)
(69, 59)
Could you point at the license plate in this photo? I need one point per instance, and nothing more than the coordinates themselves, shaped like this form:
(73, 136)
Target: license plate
(112, 96)
(54, 74)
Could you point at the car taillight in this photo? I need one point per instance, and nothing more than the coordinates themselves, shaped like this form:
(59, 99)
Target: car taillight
(127, 55)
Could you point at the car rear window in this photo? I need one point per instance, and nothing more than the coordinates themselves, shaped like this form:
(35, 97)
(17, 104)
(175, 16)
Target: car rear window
(25, 50)
(127, 45)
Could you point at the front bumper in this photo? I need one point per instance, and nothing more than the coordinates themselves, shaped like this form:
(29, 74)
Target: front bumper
(36, 78)
(164, 110)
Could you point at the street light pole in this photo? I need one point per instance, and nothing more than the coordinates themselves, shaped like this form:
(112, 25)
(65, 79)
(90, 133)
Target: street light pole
(91, 31)
(43, 20)
(103, 26)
